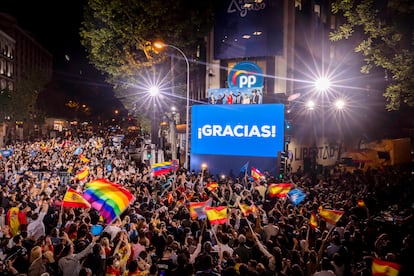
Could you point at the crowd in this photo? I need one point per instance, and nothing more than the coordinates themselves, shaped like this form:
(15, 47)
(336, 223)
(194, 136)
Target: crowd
(156, 235)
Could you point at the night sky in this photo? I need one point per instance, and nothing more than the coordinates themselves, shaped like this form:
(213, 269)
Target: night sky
(55, 25)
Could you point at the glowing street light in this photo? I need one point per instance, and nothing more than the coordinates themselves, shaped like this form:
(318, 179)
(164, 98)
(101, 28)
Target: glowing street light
(340, 104)
(310, 105)
(154, 91)
(160, 45)
(322, 84)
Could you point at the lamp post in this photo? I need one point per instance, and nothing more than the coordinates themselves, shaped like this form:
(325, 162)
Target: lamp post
(161, 45)
(154, 91)
(173, 134)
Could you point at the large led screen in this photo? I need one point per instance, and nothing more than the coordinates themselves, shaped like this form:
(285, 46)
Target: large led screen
(240, 130)
(248, 29)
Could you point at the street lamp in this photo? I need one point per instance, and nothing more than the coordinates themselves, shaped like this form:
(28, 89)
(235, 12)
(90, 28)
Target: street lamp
(160, 45)
(154, 91)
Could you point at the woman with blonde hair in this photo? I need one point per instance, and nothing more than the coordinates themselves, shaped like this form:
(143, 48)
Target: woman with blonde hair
(37, 267)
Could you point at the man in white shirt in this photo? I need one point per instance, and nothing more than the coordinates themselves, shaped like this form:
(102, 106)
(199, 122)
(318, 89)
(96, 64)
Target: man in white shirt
(224, 245)
(36, 228)
(270, 230)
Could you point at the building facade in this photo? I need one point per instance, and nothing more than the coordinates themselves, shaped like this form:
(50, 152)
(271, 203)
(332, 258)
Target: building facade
(7, 61)
(20, 57)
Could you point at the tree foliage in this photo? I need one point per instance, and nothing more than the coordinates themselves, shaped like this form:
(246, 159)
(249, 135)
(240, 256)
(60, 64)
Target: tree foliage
(116, 33)
(20, 104)
(387, 42)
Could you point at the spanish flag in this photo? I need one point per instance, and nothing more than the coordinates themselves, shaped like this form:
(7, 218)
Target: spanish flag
(256, 174)
(361, 203)
(246, 209)
(331, 216)
(197, 209)
(217, 215)
(73, 199)
(212, 186)
(82, 174)
(313, 223)
(83, 158)
(170, 198)
(383, 268)
(279, 190)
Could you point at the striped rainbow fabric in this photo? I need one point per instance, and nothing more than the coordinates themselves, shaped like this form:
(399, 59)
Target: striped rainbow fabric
(108, 198)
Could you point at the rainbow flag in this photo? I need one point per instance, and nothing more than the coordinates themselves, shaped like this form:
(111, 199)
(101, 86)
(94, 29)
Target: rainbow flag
(217, 215)
(197, 209)
(108, 198)
(161, 168)
(73, 199)
(313, 223)
(331, 216)
(256, 174)
(384, 268)
(82, 174)
(212, 186)
(279, 190)
(246, 209)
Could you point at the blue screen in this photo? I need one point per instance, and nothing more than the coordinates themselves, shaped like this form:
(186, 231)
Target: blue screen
(237, 130)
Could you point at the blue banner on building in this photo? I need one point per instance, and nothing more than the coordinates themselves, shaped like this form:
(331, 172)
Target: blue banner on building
(248, 130)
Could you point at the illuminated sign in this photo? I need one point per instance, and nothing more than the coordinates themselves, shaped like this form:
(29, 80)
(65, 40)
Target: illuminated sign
(245, 75)
(237, 130)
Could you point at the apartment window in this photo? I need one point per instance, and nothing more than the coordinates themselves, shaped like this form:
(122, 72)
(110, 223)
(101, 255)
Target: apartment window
(3, 84)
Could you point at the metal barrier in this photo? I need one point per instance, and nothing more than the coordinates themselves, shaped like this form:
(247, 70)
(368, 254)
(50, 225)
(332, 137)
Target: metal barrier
(64, 176)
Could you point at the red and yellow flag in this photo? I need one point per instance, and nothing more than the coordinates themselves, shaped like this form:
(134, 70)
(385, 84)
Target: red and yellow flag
(83, 158)
(313, 223)
(82, 174)
(256, 174)
(217, 215)
(73, 199)
(246, 209)
(279, 190)
(212, 186)
(361, 203)
(383, 268)
(331, 216)
(197, 208)
(170, 198)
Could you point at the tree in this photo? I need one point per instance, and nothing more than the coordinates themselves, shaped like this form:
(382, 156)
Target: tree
(117, 34)
(21, 102)
(386, 42)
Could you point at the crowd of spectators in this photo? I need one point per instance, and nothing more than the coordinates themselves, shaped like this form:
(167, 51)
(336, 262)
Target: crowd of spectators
(157, 236)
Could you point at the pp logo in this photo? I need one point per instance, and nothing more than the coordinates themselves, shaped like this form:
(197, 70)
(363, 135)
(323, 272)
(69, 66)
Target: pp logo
(245, 75)
(244, 79)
